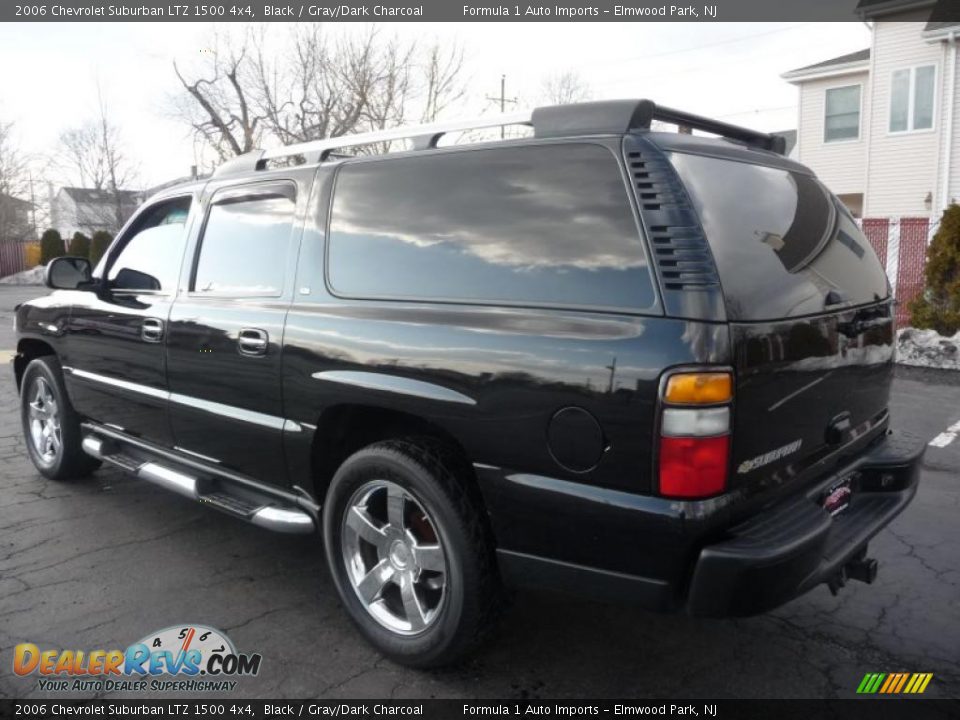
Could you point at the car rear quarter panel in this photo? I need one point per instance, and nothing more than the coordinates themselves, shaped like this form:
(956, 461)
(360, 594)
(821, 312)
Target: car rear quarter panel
(492, 378)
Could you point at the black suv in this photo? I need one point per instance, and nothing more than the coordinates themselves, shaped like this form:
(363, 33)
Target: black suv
(649, 366)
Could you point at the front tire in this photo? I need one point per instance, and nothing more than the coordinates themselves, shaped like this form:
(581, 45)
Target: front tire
(51, 427)
(410, 554)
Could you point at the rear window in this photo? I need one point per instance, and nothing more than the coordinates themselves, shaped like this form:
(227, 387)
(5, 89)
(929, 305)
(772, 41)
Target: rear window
(536, 225)
(784, 246)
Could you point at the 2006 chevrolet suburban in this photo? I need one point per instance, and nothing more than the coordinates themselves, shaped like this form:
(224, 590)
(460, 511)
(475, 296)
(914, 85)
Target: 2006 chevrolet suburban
(646, 365)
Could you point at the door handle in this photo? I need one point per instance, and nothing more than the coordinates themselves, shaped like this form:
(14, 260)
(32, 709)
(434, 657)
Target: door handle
(253, 341)
(151, 330)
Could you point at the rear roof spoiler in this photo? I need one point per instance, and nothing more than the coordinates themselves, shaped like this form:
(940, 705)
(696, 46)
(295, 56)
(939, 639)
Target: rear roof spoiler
(617, 116)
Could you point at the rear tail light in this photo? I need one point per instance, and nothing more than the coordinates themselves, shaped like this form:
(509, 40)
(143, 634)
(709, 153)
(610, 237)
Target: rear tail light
(694, 467)
(699, 388)
(695, 434)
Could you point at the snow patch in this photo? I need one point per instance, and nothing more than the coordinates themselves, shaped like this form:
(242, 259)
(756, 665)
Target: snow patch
(928, 348)
(33, 276)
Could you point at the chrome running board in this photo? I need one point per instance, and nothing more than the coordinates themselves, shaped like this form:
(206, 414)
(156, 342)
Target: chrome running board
(260, 505)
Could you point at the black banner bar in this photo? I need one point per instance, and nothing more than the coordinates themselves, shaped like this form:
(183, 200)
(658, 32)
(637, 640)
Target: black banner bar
(215, 709)
(456, 10)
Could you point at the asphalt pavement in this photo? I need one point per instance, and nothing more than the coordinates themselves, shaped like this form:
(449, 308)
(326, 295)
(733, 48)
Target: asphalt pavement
(100, 563)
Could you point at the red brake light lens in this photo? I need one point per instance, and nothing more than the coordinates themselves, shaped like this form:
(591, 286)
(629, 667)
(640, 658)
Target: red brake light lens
(693, 467)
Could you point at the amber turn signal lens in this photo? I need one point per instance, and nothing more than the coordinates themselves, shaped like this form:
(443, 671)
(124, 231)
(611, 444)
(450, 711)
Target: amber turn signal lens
(699, 388)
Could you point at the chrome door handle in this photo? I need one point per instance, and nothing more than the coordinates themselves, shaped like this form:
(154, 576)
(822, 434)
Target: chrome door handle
(253, 341)
(151, 330)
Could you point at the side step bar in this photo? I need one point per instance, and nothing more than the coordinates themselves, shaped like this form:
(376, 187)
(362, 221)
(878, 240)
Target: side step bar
(244, 503)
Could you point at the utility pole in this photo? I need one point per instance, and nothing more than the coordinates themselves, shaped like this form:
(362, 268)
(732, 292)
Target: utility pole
(612, 367)
(503, 100)
(33, 207)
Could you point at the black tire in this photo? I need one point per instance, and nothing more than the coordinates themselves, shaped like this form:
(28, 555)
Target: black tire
(69, 462)
(472, 598)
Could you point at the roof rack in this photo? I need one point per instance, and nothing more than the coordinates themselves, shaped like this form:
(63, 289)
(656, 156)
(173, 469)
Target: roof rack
(423, 137)
(590, 118)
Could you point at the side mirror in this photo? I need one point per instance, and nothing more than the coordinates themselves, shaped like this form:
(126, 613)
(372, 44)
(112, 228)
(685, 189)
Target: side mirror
(68, 273)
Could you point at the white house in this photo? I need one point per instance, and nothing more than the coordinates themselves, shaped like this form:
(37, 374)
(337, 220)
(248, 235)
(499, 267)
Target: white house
(88, 210)
(881, 126)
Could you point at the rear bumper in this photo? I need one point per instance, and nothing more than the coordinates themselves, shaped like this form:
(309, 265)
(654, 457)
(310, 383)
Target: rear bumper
(780, 552)
(789, 549)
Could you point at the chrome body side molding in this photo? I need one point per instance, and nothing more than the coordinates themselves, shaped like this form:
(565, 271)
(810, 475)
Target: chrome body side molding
(394, 384)
(215, 408)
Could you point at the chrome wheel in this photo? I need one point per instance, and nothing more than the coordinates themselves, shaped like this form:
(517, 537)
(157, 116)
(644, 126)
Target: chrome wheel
(394, 559)
(44, 418)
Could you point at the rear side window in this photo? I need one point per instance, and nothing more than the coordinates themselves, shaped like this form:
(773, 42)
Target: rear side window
(784, 246)
(245, 245)
(547, 225)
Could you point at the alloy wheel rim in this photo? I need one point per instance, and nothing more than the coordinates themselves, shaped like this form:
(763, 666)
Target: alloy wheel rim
(395, 562)
(44, 421)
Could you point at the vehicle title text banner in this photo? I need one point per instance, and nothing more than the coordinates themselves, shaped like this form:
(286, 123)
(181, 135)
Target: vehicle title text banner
(463, 11)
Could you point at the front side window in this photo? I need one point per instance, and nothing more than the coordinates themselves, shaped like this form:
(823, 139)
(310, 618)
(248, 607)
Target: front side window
(150, 260)
(912, 93)
(536, 225)
(842, 114)
(245, 244)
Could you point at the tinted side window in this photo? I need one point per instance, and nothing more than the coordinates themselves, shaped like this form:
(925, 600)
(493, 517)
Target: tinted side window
(150, 260)
(784, 246)
(244, 246)
(548, 224)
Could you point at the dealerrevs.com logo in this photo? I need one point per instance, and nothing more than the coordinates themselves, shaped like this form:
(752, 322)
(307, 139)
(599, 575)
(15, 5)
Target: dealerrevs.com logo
(181, 658)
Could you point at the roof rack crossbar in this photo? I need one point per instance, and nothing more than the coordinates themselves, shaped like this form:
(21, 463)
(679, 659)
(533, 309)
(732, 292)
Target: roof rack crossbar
(755, 138)
(422, 136)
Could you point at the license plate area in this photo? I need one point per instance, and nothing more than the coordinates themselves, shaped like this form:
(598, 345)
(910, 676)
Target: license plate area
(836, 499)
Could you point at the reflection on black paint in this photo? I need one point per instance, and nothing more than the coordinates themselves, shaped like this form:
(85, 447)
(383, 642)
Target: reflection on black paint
(548, 224)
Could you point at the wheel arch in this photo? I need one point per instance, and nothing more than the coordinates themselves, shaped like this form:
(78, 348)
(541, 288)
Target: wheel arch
(29, 349)
(345, 428)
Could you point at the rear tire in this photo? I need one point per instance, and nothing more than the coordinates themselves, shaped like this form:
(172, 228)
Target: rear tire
(410, 554)
(51, 427)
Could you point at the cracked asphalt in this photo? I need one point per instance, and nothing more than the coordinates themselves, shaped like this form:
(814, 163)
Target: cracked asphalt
(100, 563)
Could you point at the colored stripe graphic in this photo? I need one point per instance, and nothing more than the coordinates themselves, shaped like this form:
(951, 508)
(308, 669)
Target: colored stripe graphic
(894, 683)
(903, 681)
(891, 680)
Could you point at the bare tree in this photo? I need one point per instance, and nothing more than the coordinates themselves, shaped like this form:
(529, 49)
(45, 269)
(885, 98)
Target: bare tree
(218, 102)
(15, 208)
(94, 158)
(443, 84)
(313, 86)
(564, 88)
(81, 154)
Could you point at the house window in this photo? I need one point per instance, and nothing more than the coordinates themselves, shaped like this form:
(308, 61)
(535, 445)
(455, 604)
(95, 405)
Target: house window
(842, 114)
(911, 98)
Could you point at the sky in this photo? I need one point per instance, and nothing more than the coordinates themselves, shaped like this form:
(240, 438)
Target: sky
(729, 71)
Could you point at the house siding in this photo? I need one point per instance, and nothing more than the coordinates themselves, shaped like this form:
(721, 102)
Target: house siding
(65, 215)
(904, 167)
(954, 155)
(840, 165)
